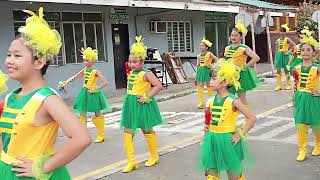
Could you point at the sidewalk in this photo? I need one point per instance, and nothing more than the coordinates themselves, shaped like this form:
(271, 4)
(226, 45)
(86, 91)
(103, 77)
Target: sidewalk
(173, 91)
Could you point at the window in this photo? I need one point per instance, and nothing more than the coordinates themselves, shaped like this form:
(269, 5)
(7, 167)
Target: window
(82, 30)
(76, 29)
(179, 36)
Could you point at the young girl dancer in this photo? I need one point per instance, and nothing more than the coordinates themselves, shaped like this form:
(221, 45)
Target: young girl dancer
(204, 62)
(34, 112)
(140, 109)
(237, 53)
(282, 57)
(306, 98)
(224, 147)
(90, 98)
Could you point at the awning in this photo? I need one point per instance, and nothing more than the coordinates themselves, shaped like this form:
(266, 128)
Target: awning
(259, 4)
(231, 6)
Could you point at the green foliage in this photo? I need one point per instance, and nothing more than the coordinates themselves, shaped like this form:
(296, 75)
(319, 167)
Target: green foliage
(304, 15)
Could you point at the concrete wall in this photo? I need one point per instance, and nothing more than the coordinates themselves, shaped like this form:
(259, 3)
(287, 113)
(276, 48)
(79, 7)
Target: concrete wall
(142, 16)
(159, 40)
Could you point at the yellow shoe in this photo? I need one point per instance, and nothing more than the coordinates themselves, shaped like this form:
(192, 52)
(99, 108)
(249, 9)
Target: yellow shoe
(302, 137)
(279, 83)
(201, 98)
(288, 86)
(129, 149)
(213, 178)
(99, 123)
(152, 147)
(316, 150)
(83, 120)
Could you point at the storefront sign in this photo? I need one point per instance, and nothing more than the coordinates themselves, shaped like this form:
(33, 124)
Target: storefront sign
(119, 14)
(217, 16)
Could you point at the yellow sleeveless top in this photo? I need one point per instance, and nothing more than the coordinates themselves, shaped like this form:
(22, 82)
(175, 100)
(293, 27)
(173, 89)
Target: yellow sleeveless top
(205, 59)
(283, 44)
(90, 78)
(136, 84)
(223, 118)
(237, 55)
(26, 139)
(308, 78)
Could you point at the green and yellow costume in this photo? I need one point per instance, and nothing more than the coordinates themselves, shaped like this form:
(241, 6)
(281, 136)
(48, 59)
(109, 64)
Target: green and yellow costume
(204, 70)
(217, 151)
(21, 138)
(282, 58)
(90, 102)
(306, 108)
(136, 115)
(248, 78)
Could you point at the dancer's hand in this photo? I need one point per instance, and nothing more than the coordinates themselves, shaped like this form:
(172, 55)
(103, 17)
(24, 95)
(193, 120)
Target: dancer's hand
(91, 91)
(236, 138)
(140, 99)
(23, 169)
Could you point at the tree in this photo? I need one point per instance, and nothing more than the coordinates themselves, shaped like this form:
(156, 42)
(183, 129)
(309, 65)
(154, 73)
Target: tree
(304, 14)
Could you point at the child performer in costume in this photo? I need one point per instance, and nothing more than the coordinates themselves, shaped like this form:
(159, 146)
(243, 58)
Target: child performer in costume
(224, 147)
(282, 57)
(91, 98)
(140, 109)
(204, 61)
(306, 98)
(238, 54)
(34, 112)
(296, 58)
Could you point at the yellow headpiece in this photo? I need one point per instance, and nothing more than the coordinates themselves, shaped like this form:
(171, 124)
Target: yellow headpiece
(138, 50)
(89, 54)
(311, 41)
(306, 31)
(3, 80)
(228, 72)
(44, 41)
(206, 42)
(241, 27)
(285, 26)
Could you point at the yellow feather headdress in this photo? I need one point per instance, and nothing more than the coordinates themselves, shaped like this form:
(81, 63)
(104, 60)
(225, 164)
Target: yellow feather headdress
(3, 81)
(241, 27)
(228, 72)
(311, 41)
(285, 26)
(206, 42)
(89, 54)
(306, 31)
(44, 41)
(138, 49)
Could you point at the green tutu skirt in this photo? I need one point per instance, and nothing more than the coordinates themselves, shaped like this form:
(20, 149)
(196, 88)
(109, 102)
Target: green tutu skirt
(137, 115)
(248, 81)
(219, 153)
(85, 102)
(203, 74)
(282, 60)
(294, 63)
(306, 109)
(7, 174)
